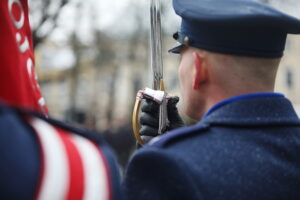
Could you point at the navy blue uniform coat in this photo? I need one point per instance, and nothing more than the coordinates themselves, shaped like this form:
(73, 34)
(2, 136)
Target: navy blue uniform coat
(242, 150)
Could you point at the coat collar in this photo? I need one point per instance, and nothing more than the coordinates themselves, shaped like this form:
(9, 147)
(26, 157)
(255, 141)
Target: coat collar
(253, 110)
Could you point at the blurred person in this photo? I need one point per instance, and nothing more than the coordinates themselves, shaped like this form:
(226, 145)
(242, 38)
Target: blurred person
(246, 144)
(42, 158)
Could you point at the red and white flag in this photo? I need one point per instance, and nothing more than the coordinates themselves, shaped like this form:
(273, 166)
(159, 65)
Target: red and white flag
(18, 82)
(73, 167)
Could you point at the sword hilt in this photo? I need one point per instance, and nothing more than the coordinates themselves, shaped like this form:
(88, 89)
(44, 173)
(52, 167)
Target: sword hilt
(136, 115)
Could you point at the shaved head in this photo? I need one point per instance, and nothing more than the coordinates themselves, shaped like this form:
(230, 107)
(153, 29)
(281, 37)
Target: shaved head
(242, 71)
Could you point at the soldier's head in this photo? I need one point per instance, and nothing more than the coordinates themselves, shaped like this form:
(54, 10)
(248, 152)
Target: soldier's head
(228, 48)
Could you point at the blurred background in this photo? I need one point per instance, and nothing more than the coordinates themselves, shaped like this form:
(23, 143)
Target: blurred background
(92, 57)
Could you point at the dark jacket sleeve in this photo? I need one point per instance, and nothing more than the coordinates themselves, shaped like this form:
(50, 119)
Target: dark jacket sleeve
(114, 172)
(154, 174)
(19, 158)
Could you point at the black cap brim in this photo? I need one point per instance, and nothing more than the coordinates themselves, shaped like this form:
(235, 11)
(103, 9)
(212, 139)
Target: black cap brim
(177, 48)
(179, 45)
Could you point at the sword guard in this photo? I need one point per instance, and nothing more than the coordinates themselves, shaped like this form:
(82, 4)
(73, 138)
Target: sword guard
(135, 121)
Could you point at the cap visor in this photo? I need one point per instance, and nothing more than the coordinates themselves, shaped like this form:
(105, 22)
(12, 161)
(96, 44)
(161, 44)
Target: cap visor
(177, 48)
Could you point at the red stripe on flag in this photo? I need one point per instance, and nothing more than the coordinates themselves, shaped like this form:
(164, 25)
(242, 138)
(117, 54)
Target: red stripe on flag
(76, 186)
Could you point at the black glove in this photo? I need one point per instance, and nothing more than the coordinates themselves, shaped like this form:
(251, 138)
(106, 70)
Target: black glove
(149, 118)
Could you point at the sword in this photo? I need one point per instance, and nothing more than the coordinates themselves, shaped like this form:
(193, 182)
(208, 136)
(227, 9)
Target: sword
(157, 69)
(155, 45)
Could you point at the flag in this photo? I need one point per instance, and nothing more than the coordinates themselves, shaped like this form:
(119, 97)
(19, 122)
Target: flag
(18, 80)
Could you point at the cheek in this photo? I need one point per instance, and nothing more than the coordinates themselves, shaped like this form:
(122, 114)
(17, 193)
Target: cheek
(180, 75)
(184, 86)
(185, 78)
(182, 79)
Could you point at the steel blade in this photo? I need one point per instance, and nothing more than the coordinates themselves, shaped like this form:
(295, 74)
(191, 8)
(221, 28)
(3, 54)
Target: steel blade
(156, 43)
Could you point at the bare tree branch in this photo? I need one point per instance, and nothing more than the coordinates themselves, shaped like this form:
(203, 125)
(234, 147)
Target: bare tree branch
(46, 17)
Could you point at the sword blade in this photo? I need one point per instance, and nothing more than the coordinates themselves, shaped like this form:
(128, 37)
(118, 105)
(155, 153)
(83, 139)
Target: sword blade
(156, 43)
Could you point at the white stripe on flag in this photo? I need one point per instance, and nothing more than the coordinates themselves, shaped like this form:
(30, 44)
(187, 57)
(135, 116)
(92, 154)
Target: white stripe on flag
(55, 182)
(96, 186)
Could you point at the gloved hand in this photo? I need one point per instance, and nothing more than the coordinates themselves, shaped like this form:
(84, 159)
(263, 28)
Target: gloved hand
(149, 118)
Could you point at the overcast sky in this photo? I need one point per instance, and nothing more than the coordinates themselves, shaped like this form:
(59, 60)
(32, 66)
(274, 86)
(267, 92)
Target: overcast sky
(291, 7)
(116, 16)
(111, 16)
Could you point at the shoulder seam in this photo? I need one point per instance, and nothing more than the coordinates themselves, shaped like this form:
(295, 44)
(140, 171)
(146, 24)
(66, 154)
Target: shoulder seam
(179, 133)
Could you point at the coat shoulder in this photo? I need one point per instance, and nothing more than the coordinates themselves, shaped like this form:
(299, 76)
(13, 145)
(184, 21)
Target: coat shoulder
(179, 135)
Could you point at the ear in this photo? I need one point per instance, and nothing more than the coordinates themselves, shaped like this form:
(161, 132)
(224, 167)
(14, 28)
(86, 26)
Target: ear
(200, 73)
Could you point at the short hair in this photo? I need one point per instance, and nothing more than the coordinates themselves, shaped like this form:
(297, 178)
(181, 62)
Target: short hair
(260, 69)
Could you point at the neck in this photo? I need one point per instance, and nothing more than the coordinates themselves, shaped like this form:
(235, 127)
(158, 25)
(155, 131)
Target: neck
(217, 96)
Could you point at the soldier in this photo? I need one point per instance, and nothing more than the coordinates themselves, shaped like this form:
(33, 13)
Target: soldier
(42, 158)
(247, 141)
